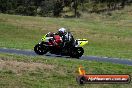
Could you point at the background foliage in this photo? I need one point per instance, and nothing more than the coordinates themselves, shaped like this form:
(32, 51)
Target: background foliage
(57, 7)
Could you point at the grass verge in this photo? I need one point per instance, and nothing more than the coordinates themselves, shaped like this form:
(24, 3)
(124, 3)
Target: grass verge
(18, 71)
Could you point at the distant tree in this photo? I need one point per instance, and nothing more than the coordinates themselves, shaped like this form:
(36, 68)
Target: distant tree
(31, 11)
(123, 3)
(5, 5)
(67, 2)
(82, 4)
(47, 8)
(55, 7)
(20, 10)
(58, 7)
(74, 5)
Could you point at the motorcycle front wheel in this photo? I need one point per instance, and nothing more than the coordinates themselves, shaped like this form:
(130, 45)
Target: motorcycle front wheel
(40, 49)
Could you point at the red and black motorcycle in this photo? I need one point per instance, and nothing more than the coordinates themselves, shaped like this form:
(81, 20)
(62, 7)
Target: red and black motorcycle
(55, 45)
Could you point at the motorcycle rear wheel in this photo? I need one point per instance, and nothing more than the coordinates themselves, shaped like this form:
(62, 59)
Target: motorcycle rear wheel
(77, 52)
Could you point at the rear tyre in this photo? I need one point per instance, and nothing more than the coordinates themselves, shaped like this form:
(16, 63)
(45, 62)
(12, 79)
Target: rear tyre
(40, 49)
(77, 52)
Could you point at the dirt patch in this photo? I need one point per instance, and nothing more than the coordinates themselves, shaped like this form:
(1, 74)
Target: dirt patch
(20, 67)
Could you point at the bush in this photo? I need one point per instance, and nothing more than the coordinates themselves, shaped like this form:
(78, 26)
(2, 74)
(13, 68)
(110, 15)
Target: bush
(58, 7)
(31, 11)
(20, 10)
(46, 8)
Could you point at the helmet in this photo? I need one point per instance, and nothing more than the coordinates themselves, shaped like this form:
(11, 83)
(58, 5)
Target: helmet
(62, 31)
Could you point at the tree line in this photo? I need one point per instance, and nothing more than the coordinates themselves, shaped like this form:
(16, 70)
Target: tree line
(55, 7)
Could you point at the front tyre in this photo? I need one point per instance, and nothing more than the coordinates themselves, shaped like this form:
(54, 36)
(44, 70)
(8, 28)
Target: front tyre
(40, 49)
(77, 52)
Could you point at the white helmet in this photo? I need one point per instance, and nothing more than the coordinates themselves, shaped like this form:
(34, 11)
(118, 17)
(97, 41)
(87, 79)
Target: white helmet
(63, 30)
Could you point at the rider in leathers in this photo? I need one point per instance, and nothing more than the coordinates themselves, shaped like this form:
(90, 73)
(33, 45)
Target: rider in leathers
(68, 40)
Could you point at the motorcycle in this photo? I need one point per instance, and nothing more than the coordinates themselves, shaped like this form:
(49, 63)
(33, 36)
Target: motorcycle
(48, 44)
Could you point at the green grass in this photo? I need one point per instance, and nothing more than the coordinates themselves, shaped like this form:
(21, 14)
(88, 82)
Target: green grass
(109, 36)
(18, 71)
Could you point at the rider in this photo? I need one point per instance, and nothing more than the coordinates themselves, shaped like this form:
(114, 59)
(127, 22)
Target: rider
(67, 37)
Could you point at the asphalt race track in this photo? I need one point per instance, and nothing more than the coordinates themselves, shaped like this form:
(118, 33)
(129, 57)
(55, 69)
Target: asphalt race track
(91, 58)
